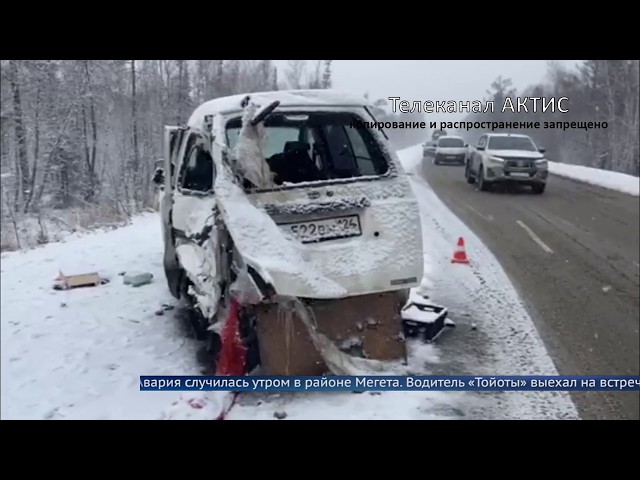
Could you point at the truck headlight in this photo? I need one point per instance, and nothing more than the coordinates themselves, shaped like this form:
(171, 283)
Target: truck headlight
(496, 159)
(542, 163)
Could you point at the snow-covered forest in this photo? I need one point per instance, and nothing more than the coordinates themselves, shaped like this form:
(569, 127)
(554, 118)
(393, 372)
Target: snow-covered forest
(80, 138)
(597, 91)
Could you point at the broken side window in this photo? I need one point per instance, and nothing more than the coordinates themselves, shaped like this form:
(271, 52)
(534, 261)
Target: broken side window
(198, 169)
(313, 146)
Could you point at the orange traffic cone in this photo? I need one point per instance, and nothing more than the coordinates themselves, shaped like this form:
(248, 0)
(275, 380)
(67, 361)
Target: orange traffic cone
(460, 255)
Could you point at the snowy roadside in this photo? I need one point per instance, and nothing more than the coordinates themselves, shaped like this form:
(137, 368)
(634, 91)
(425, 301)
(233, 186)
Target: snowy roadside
(78, 354)
(602, 178)
(494, 333)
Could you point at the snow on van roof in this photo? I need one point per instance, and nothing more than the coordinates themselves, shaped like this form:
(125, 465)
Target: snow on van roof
(520, 135)
(321, 97)
(450, 136)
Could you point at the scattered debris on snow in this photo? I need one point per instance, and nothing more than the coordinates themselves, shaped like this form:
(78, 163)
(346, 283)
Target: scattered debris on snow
(137, 279)
(199, 406)
(67, 282)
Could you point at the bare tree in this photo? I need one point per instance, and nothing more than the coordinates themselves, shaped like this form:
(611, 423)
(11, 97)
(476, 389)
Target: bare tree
(20, 135)
(326, 75)
(314, 77)
(81, 135)
(602, 92)
(295, 73)
(90, 140)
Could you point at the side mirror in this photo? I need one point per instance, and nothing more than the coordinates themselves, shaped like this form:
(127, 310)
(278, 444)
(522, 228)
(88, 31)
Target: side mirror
(466, 145)
(542, 150)
(479, 148)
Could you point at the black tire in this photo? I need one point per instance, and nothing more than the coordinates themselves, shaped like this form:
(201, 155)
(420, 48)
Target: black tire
(197, 321)
(482, 185)
(467, 174)
(538, 188)
(403, 296)
(172, 273)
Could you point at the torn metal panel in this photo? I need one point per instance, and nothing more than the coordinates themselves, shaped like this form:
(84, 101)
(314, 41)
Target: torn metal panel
(265, 247)
(248, 157)
(289, 345)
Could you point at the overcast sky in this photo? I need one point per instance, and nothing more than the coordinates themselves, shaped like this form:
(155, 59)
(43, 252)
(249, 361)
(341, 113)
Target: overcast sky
(432, 79)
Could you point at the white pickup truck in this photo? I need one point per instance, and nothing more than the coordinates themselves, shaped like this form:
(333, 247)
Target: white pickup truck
(506, 157)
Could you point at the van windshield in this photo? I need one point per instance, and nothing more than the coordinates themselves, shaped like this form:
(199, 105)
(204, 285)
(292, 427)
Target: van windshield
(511, 143)
(316, 146)
(450, 142)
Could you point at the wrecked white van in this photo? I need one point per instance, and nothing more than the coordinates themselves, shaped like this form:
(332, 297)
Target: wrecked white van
(288, 195)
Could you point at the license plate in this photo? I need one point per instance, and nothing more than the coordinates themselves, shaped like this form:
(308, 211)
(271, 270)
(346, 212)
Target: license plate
(325, 229)
(451, 157)
(519, 174)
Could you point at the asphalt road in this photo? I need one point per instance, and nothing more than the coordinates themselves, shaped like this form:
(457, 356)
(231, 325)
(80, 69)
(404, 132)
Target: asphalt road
(573, 254)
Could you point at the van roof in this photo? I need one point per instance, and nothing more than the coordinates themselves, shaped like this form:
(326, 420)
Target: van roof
(287, 98)
(508, 135)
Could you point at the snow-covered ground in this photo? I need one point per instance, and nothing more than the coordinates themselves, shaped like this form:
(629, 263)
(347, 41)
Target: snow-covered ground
(78, 354)
(602, 178)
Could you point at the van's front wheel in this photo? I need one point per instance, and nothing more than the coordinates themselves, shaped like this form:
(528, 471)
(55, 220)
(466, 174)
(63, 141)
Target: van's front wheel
(173, 273)
(467, 174)
(483, 186)
(538, 188)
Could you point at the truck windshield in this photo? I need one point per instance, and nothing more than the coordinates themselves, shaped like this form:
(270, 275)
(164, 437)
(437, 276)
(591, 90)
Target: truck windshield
(450, 142)
(316, 146)
(511, 143)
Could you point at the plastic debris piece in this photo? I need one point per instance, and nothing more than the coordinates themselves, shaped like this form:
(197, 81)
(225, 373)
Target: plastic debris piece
(137, 279)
